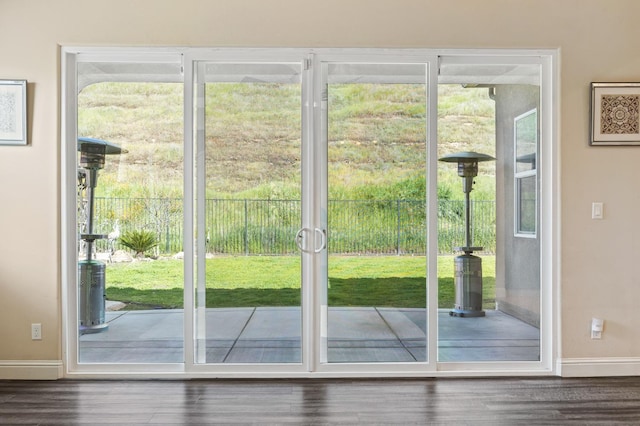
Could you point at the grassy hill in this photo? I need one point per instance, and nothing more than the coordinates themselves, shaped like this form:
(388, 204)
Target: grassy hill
(376, 139)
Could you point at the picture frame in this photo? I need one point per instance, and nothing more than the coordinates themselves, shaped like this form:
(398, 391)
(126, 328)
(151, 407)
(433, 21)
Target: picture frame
(13, 112)
(615, 114)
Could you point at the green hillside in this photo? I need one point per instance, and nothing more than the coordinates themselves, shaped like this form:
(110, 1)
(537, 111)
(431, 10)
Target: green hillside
(376, 139)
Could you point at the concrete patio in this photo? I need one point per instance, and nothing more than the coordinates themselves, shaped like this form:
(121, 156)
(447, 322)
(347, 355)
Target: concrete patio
(272, 335)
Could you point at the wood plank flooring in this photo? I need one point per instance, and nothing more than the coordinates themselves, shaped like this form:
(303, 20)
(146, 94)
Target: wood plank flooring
(500, 401)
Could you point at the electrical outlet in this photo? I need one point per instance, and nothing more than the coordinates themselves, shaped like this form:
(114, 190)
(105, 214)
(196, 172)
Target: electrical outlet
(36, 331)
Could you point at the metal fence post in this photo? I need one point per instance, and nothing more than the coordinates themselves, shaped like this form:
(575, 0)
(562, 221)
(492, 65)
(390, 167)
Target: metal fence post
(246, 228)
(398, 228)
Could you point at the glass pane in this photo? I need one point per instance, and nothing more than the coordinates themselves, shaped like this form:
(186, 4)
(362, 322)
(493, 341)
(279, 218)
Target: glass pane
(376, 287)
(489, 288)
(248, 300)
(526, 193)
(130, 197)
(526, 140)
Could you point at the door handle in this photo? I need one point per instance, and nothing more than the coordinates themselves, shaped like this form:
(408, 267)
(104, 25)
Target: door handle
(323, 239)
(300, 238)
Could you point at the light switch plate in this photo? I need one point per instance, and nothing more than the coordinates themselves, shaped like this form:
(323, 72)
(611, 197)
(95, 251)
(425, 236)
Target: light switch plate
(597, 211)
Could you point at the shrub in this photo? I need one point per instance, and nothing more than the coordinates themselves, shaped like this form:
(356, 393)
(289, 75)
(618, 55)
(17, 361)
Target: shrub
(139, 241)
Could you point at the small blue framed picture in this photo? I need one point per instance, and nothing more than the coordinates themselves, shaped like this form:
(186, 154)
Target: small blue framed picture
(13, 112)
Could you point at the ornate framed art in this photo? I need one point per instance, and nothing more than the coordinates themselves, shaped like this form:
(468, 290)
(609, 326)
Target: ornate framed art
(615, 114)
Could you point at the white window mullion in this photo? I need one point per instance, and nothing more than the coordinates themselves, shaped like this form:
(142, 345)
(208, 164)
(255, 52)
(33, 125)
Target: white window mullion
(549, 213)
(199, 160)
(432, 212)
(320, 133)
(309, 348)
(188, 211)
(69, 120)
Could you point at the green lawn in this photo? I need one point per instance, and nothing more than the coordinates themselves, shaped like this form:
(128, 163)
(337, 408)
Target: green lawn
(397, 281)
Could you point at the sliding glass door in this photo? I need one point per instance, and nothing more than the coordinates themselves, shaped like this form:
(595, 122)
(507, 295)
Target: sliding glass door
(376, 147)
(249, 205)
(307, 211)
(491, 263)
(127, 149)
(338, 215)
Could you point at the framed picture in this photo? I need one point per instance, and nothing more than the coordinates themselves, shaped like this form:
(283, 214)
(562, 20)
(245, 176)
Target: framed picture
(13, 112)
(615, 113)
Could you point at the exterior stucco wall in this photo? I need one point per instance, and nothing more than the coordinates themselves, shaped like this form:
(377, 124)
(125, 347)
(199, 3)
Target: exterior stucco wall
(518, 260)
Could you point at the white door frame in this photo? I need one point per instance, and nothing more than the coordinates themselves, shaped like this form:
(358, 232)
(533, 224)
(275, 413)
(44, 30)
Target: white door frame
(311, 365)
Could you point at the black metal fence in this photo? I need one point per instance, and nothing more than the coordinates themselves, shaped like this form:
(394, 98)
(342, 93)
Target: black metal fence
(268, 227)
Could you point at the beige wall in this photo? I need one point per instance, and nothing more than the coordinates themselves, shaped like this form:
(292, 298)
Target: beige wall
(599, 41)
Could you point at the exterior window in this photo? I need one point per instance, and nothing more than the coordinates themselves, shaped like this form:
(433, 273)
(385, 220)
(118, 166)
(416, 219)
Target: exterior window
(525, 173)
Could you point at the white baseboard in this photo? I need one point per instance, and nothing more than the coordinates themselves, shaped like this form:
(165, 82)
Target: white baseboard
(31, 370)
(598, 367)
(566, 367)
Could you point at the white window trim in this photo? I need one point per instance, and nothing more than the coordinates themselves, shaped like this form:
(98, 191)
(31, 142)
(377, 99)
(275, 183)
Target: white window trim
(548, 216)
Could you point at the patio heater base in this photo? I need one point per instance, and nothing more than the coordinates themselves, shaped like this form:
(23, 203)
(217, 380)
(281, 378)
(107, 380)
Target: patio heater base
(92, 296)
(465, 314)
(468, 286)
(93, 329)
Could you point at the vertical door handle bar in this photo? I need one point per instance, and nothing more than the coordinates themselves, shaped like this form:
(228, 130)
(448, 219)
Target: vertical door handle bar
(300, 238)
(323, 239)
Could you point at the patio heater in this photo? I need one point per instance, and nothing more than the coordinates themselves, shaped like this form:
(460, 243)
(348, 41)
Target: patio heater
(468, 268)
(91, 272)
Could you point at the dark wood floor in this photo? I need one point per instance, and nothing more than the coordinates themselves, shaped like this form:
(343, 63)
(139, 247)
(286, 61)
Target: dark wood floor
(533, 401)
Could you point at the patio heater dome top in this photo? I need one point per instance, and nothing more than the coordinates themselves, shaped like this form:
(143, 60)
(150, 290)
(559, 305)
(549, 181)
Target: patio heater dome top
(110, 148)
(466, 157)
